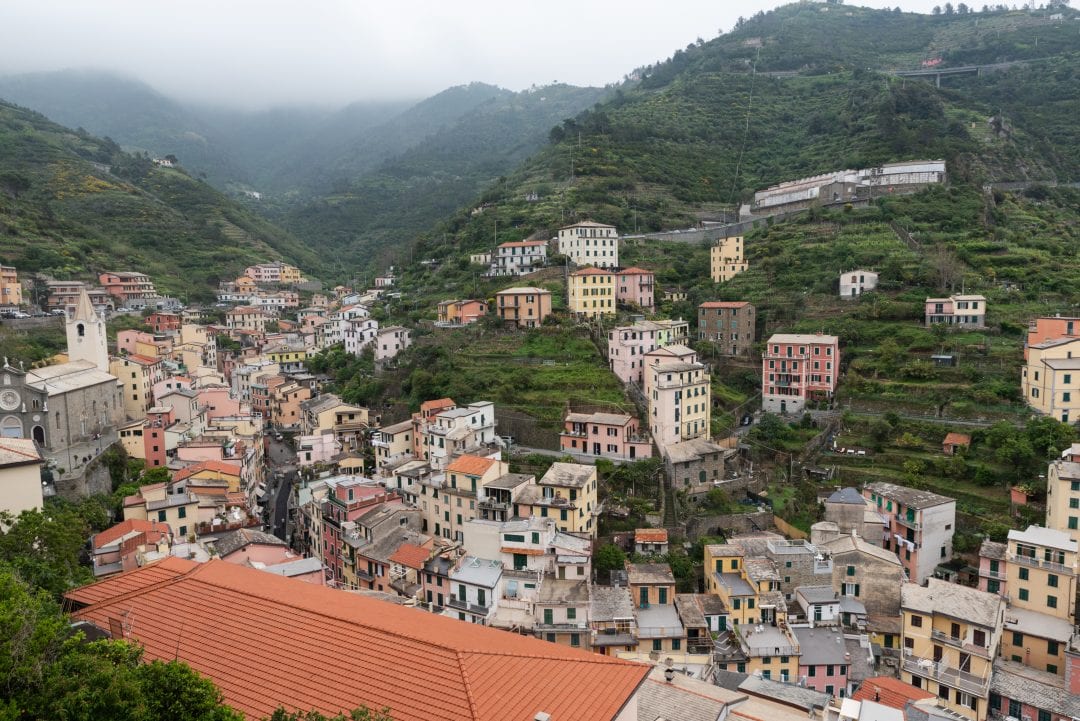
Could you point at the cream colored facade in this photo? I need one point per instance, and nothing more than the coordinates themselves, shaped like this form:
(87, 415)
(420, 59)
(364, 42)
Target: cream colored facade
(1041, 570)
(1063, 496)
(727, 259)
(137, 377)
(20, 476)
(1050, 379)
(951, 635)
(567, 493)
(590, 243)
(680, 407)
(591, 293)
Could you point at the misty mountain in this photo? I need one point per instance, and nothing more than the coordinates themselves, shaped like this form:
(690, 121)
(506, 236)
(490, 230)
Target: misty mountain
(227, 146)
(73, 205)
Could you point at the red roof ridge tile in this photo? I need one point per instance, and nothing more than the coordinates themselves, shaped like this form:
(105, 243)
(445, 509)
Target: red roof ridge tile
(469, 695)
(165, 563)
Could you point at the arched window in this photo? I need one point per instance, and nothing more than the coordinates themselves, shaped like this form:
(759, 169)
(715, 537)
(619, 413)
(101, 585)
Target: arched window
(81, 330)
(11, 427)
(39, 435)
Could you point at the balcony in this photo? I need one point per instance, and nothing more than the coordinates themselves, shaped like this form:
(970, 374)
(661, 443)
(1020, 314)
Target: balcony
(1045, 565)
(576, 627)
(954, 677)
(903, 521)
(996, 575)
(454, 602)
(490, 504)
(960, 643)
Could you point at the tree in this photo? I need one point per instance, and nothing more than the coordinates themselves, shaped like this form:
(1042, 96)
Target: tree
(608, 557)
(43, 547)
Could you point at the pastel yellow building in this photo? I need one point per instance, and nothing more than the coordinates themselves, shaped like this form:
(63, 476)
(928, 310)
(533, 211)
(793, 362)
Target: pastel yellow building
(566, 493)
(1050, 379)
(591, 293)
(1041, 569)
(727, 259)
(951, 635)
(1063, 494)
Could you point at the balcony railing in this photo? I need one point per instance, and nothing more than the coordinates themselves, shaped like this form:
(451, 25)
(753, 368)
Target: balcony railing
(575, 627)
(949, 675)
(1038, 563)
(997, 575)
(454, 602)
(903, 521)
(493, 505)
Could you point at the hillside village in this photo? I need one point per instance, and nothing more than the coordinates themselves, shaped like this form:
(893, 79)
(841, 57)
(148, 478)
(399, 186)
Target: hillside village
(266, 468)
(814, 456)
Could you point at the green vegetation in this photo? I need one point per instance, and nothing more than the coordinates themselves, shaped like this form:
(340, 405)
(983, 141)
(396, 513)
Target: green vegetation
(72, 205)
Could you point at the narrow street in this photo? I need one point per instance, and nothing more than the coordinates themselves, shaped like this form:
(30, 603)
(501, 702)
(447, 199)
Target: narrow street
(281, 472)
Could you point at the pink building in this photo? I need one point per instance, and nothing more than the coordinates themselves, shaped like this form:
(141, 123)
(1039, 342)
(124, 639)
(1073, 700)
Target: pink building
(317, 449)
(992, 567)
(605, 435)
(218, 402)
(168, 385)
(963, 311)
(158, 419)
(796, 368)
(635, 286)
(628, 345)
(347, 501)
(823, 660)
(137, 342)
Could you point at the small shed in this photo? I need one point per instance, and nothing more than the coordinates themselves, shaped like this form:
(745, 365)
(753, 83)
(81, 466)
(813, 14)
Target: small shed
(955, 442)
(945, 360)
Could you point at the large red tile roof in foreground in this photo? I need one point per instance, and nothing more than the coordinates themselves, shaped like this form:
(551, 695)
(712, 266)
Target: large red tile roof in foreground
(267, 640)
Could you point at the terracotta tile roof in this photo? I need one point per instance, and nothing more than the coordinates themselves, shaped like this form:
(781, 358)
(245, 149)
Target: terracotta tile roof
(132, 525)
(411, 555)
(523, 244)
(144, 360)
(724, 304)
(957, 439)
(230, 469)
(591, 271)
(306, 646)
(470, 465)
(651, 535)
(18, 451)
(890, 692)
(635, 271)
(112, 588)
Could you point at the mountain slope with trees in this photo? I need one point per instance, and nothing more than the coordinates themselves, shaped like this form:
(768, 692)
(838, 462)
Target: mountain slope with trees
(73, 205)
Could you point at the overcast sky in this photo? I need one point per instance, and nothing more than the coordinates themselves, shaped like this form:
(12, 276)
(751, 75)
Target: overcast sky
(264, 52)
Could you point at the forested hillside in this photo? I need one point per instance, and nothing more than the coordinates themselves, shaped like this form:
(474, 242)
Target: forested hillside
(72, 205)
(697, 134)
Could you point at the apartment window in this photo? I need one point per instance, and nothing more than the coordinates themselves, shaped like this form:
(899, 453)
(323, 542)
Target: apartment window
(161, 516)
(850, 570)
(916, 621)
(1051, 668)
(1051, 601)
(183, 530)
(182, 512)
(571, 614)
(829, 670)
(811, 671)
(1024, 594)
(575, 640)
(657, 645)
(1052, 648)
(1018, 639)
(1052, 580)
(676, 644)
